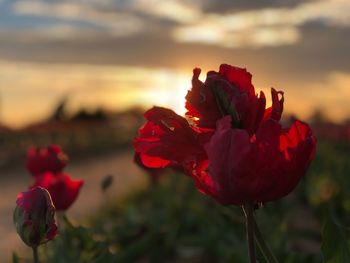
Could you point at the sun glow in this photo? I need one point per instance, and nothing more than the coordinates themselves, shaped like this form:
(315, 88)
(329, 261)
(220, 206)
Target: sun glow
(181, 86)
(40, 87)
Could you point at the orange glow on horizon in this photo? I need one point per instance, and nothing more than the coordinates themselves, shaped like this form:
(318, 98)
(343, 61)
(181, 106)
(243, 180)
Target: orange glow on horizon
(39, 87)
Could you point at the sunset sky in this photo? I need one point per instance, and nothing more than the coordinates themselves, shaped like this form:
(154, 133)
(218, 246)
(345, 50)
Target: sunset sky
(122, 53)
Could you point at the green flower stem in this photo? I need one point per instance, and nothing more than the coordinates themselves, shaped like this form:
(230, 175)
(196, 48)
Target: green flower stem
(262, 245)
(35, 255)
(249, 214)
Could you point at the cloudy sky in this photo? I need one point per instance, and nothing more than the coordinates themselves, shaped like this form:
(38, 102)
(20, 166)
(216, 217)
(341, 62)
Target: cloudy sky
(120, 53)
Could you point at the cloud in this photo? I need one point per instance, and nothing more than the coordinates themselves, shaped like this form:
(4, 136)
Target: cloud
(272, 26)
(225, 6)
(252, 37)
(52, 33)
(74, 17)
(175, 10)
(92, 18)
(269, 41)
(262, 27)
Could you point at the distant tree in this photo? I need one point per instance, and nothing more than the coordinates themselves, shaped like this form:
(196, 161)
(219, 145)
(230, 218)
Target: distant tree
(59, 113)
(318, 117)
(85, 115)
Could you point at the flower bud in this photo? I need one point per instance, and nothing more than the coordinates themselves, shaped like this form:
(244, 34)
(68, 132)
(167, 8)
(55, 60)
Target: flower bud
(34, 217)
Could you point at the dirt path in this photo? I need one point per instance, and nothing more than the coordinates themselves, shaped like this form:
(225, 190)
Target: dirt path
(126, 176)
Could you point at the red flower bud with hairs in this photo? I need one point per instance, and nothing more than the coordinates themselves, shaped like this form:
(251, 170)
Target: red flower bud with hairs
(34, 217)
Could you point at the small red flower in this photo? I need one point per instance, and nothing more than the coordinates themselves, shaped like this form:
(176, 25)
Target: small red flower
(40, 160)
(34, 217)
(63, 190)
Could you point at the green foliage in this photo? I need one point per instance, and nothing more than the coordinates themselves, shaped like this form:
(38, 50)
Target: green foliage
(172, 222)
(336, 242)
(75, 244)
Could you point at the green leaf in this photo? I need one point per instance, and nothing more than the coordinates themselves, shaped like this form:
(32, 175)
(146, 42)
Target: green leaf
(335, 247)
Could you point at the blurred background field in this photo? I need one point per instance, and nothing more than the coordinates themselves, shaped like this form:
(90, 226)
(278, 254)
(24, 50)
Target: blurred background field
(81, 73)
(135, 221)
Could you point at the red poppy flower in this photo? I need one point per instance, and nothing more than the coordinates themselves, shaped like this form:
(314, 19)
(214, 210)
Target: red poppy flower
(34, 217)
(235, 150)
(252, 158)
(63, 190)
(40, 160)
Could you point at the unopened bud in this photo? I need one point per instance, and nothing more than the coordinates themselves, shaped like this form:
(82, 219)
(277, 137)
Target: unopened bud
(34, 217)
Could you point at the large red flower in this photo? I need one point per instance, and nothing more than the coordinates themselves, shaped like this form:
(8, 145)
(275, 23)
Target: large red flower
(40, 160)
(235, 150)
(251, 158)
(63, 190)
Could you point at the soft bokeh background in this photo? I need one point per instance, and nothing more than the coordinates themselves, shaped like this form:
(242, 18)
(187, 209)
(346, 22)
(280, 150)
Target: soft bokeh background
(121, 53)
(80, 73)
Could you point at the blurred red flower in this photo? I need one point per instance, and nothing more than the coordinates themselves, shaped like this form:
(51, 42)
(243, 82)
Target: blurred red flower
(34, 217)
(235, 150)
(46, 164)
(63, 190)
(40, 160)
